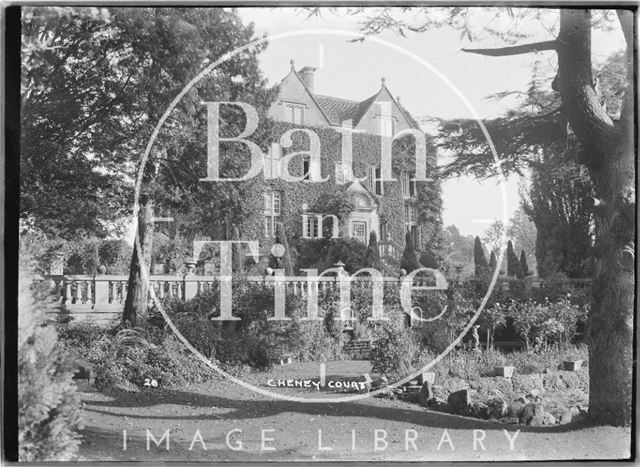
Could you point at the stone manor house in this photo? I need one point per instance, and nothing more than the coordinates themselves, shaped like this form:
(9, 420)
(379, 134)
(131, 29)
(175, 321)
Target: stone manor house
(388, 208)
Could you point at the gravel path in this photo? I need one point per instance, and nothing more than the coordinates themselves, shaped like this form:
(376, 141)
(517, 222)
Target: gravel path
(233, 423)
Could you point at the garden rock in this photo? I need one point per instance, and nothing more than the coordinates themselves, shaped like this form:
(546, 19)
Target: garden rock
(497, 408)
(532, 414)
(439, 405)
(579, 413)
(543, 419)
(515, 408)
(548, 419)
(565, 417)
(478, 410)
(426, 394)
(460, 401)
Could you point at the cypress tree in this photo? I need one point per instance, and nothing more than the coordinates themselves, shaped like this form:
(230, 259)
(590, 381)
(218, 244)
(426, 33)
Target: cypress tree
(514, 268)
(372, 258)
(479, 258)
(409, 262)
(512, 260)
(281, 238)
(236, 251)
(493, 262)
(523, 263)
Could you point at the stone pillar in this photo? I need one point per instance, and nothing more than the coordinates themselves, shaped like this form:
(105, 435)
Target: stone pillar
(101, 291)
(56, 266)
(190, 285)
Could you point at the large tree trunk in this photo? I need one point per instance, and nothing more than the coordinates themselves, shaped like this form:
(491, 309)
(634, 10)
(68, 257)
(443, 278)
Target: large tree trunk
(608, 153)
(138, 290)
(609, 156)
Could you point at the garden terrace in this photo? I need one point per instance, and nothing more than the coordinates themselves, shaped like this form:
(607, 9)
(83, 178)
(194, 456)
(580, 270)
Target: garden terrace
(100, 298)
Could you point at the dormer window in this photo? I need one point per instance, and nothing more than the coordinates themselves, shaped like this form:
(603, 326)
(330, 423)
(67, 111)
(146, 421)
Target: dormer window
(293, 113)
(386, 126)
(386, 120)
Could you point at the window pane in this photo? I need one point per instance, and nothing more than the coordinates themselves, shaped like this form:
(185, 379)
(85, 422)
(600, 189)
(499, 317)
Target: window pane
(379, 186)
(288, 113)
(267, 203)
(276, 203)
(305, 168)
(312, 227)
(297, 114)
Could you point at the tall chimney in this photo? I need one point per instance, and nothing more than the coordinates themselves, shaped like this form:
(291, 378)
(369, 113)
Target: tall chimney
(307, 73)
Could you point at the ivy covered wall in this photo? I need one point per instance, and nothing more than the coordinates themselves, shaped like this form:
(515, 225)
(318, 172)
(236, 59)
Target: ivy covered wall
(366, 153)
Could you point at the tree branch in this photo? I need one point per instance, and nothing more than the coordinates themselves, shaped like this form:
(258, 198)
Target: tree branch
(516, 50)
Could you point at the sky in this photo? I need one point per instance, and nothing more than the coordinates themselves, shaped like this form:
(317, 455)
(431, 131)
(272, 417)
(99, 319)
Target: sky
(424, 70)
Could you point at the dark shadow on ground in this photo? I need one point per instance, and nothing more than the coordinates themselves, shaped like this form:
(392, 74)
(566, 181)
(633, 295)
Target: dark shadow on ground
(257, 408)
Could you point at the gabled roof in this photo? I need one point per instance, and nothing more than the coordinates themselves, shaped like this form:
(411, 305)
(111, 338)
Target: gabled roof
(336, 109)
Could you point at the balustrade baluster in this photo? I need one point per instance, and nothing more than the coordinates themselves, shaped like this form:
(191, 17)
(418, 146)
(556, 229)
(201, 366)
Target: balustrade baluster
(68, 299)
(89, 294)
(112, 292)
(160, 289)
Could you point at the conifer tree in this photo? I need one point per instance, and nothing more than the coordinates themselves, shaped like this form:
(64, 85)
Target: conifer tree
(408, 261)
(372, 258)
(479, 258)
(523, 263)
(493, 261)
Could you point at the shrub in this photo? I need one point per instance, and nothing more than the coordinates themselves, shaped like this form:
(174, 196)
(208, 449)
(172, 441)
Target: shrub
(48, 409)
(394, 352)
(323, 253)
(471, 364)
(318, 345)
(493, 319)
(129, 358)
(82, 256)
(255, 340)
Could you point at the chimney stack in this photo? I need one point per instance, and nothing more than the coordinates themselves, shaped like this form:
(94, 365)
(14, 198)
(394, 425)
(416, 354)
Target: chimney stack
(307, 73)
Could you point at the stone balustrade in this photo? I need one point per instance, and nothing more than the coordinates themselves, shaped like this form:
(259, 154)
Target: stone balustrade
(102, 297)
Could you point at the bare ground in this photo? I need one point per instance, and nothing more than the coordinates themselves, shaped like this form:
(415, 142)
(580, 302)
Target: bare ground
(274, 429)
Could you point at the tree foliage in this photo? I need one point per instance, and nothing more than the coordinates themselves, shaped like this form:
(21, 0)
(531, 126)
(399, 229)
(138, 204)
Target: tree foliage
(372, 258)
(48, 407)
(561, 208)
(479, 258)
(523, 263)
(408, 261)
